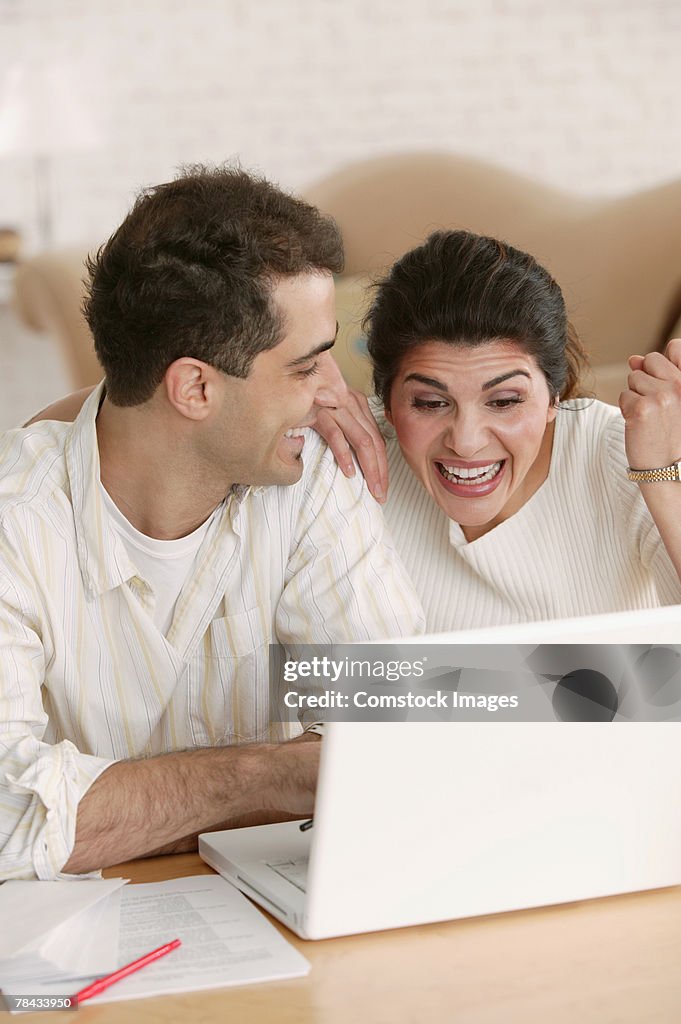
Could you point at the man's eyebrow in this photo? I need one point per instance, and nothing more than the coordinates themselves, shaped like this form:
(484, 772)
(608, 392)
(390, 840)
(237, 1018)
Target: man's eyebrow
(324, 347)
(504, 376)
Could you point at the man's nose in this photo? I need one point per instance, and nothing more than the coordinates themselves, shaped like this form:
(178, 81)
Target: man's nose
(332, 390)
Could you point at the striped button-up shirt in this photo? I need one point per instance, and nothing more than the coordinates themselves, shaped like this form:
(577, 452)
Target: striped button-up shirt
(86, 678)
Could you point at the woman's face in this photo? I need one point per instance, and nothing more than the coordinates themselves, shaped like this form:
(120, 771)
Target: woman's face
(475, 425)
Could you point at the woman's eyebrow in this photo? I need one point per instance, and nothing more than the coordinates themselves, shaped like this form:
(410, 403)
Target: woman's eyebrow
(504, 376)
(433, 382)
(430, 382)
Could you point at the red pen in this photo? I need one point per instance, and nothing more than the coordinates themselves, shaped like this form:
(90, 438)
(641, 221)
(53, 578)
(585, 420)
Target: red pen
(98, 986)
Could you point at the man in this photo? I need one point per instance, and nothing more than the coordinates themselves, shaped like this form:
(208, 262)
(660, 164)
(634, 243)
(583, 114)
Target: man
(151, 550)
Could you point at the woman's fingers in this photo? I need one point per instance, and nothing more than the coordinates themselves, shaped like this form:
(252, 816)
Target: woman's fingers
(353, 428)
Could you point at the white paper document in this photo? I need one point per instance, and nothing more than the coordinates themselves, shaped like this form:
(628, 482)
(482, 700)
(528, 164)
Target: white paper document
(225, 941)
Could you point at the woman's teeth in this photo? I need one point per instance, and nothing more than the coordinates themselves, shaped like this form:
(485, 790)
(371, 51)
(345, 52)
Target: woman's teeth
(472, 475)
(294, 432)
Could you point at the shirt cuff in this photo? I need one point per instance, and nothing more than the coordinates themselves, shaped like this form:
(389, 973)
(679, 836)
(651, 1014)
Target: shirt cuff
(55, 783)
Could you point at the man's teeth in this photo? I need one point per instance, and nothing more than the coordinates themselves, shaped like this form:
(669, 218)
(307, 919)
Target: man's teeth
(474, 474)
(294, 432)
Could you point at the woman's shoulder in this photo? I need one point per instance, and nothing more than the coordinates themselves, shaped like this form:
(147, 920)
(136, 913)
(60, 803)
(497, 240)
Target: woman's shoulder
(590, 429)
(589, 457)
(596, 439)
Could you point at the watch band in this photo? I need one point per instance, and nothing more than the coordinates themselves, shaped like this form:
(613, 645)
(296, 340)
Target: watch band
(672, 472)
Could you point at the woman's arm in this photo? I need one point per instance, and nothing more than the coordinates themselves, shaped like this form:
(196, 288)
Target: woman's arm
(651, 407)
(65, 409)
(347, 429)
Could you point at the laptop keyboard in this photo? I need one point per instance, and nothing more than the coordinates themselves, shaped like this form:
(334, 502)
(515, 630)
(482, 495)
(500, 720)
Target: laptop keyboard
(294, 871)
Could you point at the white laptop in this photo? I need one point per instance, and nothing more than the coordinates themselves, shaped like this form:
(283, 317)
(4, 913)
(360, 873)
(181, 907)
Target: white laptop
(427, 821)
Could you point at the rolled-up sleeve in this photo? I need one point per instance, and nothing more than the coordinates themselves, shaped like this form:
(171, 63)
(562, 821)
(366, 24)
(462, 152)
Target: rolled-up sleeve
(41, 783)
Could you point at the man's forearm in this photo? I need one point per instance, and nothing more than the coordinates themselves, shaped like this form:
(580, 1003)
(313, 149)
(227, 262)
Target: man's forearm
(189, 844)
(139, 807)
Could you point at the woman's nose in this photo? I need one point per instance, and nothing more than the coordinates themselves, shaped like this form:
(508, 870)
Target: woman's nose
(466, 434)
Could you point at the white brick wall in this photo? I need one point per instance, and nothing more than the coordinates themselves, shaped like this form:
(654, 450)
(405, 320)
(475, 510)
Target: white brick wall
(583, 94)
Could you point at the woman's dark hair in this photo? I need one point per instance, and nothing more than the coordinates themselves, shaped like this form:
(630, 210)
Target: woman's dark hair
(190, 272)
(467, 289)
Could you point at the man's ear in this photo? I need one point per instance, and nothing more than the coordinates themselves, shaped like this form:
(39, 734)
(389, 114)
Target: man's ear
(191, 387)
(388, 415)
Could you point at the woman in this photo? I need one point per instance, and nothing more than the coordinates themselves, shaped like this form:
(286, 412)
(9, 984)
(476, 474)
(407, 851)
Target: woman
(509, 495)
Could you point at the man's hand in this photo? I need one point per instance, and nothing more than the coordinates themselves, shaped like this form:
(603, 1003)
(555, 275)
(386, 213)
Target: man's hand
(353, 428)
(651, 407)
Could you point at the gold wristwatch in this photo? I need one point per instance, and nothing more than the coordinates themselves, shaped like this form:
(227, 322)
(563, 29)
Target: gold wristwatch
(644, 476)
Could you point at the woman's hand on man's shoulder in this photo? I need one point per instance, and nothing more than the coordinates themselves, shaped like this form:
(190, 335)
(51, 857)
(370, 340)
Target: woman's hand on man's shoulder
(352, 427)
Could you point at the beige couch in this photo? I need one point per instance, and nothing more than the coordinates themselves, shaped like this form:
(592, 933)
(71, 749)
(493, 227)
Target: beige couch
(48, 292)
(618, 261)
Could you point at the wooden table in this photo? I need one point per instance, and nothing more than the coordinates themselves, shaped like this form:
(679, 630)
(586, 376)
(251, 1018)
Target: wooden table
(608, 961)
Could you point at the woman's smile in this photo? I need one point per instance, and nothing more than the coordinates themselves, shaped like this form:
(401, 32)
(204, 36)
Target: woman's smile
(470, 479)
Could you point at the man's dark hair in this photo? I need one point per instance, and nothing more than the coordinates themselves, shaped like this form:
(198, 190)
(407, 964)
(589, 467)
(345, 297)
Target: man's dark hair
(190, 272)
(468, 289)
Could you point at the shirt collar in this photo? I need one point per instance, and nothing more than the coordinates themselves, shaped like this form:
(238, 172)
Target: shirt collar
(102, 557)
(103, 560)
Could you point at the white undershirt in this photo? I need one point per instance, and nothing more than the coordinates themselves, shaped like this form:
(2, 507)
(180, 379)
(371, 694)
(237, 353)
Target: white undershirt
(164, 564)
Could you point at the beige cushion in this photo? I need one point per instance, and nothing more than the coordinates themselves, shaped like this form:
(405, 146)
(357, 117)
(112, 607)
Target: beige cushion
(675, 332)
(607, 381)
(352, 299)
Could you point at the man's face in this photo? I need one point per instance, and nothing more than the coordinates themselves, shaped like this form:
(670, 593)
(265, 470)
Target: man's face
(261, 415)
